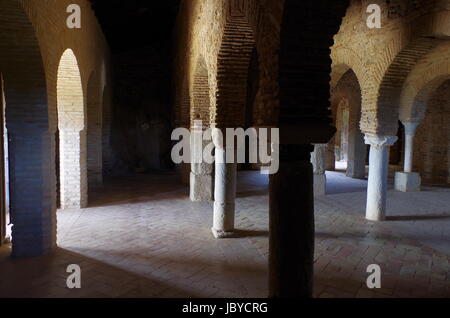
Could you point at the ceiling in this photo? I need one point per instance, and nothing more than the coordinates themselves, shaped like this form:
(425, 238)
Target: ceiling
(134, 24)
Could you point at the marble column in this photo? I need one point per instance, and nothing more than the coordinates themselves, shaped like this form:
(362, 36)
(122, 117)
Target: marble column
(378, 175)
(224, 195)
(408, 181)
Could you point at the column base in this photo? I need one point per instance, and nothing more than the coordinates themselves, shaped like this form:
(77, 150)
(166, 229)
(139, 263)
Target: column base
(320, 184)
(218, 234)
(375, 216)
(407, 181)
(201, 188)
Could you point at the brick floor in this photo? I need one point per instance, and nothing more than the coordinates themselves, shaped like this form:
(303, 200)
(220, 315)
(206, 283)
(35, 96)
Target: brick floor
(142, 237)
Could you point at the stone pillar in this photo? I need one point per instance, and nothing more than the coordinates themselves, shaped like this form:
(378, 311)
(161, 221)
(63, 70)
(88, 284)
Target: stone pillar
(224, 195)
(378, 174)
(330, 159)
(318, 158)
(32, 191)
(291, 247)
(356, 163)
(73, 169)
(95, 159)
(408, 181)
(201, 179)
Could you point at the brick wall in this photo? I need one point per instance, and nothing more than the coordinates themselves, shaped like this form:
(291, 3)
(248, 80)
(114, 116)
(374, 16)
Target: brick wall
(432, 142)
(224, 34)
(33, 38)
(383, 58)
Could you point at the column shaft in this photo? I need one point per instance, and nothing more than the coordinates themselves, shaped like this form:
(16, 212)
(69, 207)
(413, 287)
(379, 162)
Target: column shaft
(408, 181)
(224, 195)
(291, 247)
(408, 153)
(378, 174)
(201, 178)
(410, 132)
(318, 158)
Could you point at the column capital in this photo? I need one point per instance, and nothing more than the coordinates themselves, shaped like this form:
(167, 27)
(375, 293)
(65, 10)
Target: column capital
(410, 127)
(380, 141)
(320, 146)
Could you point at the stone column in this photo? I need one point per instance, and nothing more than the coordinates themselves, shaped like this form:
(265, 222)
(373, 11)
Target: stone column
(408, 181)
(224, 194)
(378, 174)
(330, 159)
(94, 159)
(291, 247)
(356, 163)
(201, 179)
(318, 158)
(32, 191)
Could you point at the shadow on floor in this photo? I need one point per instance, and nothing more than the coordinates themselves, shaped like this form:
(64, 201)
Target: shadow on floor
(249, 233)
(138, 188)
(416, 217)
(46, 276)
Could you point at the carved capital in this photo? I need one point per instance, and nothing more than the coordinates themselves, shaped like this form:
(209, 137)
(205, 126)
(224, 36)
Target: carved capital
(380, 141)
(410, 128)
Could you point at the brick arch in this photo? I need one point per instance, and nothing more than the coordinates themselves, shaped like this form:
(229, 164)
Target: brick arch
(415, 39)
(348, 87)
(233, 62)
(72, 133)
(94, 128)
(432, 138)
(345, 59)
(419, 106)
(263, 20)
(347, 95)
(416, 93)
(387, 106)
(70, 95)
(201, 103)
(30, 145)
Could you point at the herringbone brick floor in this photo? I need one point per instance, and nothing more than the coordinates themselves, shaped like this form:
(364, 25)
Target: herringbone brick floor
(142, 237)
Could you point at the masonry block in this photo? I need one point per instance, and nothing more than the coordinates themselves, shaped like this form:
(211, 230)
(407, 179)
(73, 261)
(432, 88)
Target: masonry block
(201, 188)
(407, 181)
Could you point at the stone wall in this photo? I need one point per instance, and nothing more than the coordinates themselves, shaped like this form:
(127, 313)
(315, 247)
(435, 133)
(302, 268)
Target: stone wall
(141, 113)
